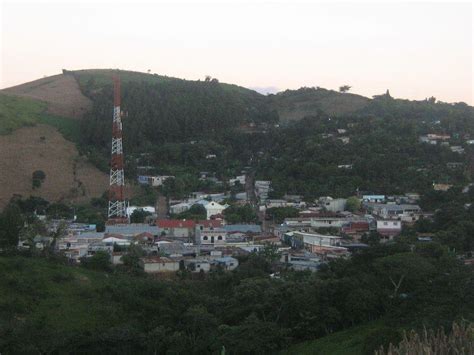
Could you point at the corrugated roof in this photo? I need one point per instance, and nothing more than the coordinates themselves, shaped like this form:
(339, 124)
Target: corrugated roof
(175, 223)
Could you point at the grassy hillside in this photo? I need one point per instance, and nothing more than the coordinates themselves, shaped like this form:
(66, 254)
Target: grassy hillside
(16, 112)
(297, 104)
(348, 342)
(29, 141)
(60, 92)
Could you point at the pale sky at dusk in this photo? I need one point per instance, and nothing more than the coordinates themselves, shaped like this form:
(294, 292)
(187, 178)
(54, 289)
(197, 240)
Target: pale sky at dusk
(416, 50)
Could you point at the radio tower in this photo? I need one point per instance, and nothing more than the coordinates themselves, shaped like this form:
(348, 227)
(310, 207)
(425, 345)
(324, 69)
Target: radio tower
(117, 207)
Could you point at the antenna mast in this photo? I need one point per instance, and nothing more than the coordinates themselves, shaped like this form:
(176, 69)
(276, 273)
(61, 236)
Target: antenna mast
(117, 213)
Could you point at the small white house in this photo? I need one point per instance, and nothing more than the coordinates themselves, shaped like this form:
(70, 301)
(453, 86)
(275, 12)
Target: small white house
(389, 228)
(197, 265)
(132, 209)
(211, 236)
(214, 208)
(227, 262)
(159, 264)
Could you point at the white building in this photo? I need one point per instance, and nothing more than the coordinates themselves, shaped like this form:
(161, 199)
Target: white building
(240, 179)
(159, 264)
(214, 208)
(389, 229)
(333, 204)
(212, 236)
(132, 209)
(197, 265)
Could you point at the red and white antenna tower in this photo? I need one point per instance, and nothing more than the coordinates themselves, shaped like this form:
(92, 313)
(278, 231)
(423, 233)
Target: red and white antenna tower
(117, 206)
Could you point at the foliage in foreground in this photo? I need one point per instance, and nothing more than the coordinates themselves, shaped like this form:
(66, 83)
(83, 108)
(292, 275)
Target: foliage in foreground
(459, 341)
(46, 306)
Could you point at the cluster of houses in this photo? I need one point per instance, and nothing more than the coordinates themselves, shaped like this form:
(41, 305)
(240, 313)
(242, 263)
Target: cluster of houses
(446, 140)
(323, 230)
(326, 230)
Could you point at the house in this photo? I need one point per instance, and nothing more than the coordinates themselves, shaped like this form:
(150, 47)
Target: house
(389, 228)
(116, 240)
(262, 189)
(301, 261)
(457, 149)
(441, 187)
(356, 227)
(153, 180)
(333, 204)
(116, 258)
(156, 264)
(180, 207)
(131, 230)
(197, 265)
(248, 229)
(226, 262)
(211, 156)
(177, 228)
(322, 245)
(214, 208)
(211, 236)
(403, 212)
(131, 209)
(373, 198)
(238, 179)
(344, 140)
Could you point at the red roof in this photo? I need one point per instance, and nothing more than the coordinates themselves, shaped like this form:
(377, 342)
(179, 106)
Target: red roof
(175, 223)
(208, 223)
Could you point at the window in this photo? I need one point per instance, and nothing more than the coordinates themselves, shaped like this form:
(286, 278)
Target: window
(219, 237)
(205, 237)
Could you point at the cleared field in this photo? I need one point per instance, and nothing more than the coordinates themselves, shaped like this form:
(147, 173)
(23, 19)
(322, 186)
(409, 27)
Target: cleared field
(61, 93)
(69, 177)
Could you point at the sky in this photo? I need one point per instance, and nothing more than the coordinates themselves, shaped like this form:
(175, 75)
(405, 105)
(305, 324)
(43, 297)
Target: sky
(414, 49)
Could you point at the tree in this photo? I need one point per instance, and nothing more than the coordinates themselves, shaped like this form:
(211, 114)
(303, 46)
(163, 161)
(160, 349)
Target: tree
(353, 204)
(405, 271)
(38, 177)
(196, 212)
(99, 261)
(11, 223)
(139, 216)
(344, 88)
(240, 214)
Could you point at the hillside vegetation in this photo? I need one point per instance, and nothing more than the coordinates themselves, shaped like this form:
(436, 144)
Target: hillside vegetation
(60, 92)
(16, 112)
(297, 104)
(49, 307)
(30, 141)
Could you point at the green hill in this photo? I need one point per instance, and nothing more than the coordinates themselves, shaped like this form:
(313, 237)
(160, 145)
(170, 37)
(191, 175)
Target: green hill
(297, 104)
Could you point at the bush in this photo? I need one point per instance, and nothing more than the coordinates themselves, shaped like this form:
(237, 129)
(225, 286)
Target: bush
(99, 261)
(381, 337)
(38, 177)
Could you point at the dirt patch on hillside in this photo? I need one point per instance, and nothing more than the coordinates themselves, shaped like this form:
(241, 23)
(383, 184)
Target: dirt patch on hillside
(61, 93)
(69, 177)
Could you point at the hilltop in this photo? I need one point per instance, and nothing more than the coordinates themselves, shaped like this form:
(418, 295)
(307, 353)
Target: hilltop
(60, 92)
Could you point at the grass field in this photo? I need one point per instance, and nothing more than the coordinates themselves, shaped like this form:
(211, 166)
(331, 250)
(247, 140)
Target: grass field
(17, 112)
(346, 342)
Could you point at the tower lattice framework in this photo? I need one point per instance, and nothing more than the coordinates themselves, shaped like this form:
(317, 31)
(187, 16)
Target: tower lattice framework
(117, 212)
